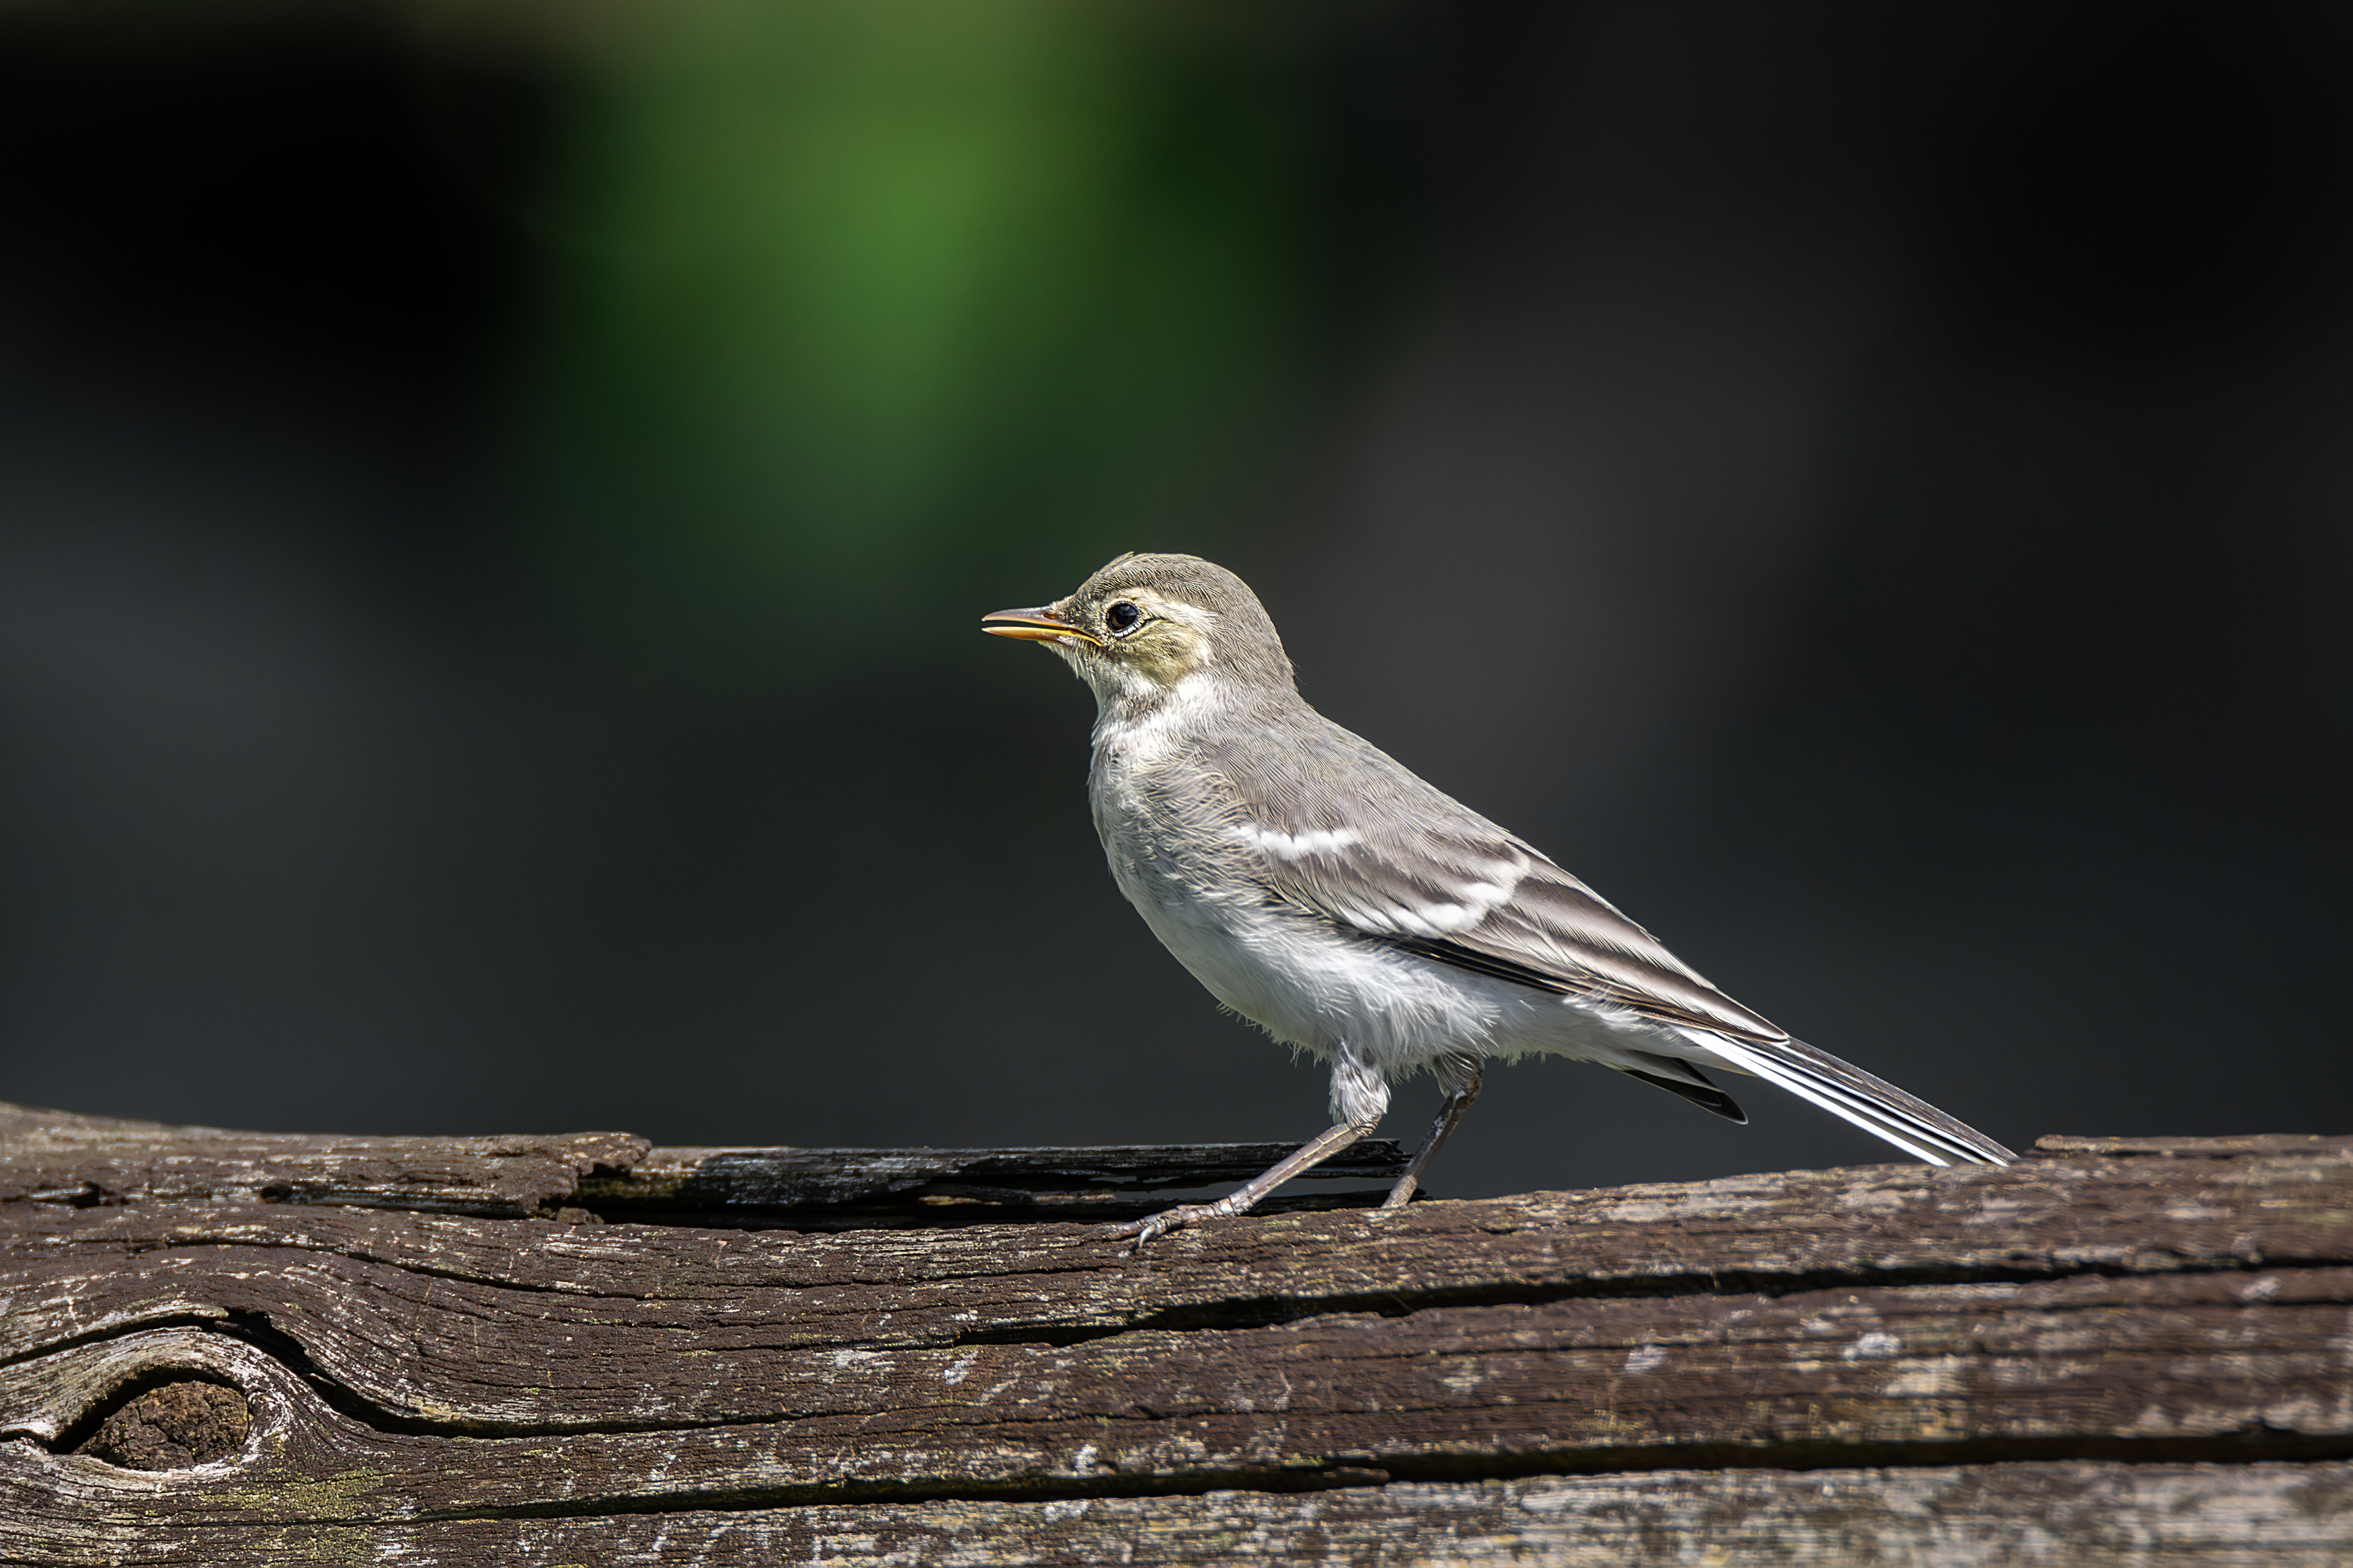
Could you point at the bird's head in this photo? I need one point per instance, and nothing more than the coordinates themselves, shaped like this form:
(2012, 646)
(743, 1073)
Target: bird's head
(1146, 623)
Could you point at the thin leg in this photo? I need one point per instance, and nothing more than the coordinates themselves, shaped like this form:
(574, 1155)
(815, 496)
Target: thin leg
(1312, 1152)
(1359, 1097)
(1459, 1075)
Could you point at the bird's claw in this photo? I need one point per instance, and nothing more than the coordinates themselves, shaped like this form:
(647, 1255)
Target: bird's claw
(1143, 1231)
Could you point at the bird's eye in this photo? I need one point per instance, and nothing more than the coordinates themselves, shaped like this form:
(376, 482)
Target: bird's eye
(1123, 619)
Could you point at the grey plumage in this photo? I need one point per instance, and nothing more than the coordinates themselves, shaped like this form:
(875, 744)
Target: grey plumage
(1321, 888)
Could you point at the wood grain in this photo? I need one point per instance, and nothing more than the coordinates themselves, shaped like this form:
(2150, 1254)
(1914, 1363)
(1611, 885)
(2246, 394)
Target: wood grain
(55, 1159)
(2131, 1347)
(2088, 1514)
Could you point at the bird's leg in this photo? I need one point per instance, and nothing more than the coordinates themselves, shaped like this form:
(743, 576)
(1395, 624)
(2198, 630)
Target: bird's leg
(1314, 1152)
(1359, 1097)
(1459, 1075)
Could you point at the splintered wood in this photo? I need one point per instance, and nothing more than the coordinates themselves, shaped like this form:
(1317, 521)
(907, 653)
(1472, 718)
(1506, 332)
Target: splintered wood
(222, 1348)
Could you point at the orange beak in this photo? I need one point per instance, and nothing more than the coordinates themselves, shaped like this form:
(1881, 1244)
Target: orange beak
(1040, 625)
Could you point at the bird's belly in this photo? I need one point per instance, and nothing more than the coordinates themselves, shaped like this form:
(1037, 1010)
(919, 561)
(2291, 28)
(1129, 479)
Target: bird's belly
(1312, 986)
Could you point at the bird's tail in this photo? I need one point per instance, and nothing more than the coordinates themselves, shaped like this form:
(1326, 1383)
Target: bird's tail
(1874, 1104)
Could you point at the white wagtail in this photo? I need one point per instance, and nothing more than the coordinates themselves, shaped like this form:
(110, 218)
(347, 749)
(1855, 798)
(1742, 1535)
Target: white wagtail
(1325, 893)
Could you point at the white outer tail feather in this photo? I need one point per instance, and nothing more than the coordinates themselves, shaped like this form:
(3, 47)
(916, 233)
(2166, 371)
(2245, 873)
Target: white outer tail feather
(1856, 1103)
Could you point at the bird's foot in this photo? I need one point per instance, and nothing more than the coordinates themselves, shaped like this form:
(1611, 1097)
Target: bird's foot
(1144, 1230)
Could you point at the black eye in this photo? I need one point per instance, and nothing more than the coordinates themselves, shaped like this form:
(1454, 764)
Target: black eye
(1123, 619)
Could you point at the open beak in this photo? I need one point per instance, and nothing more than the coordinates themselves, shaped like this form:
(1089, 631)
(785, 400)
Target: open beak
(1040, 625)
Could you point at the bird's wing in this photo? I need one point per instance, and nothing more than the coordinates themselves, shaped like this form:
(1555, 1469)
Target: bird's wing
(1394, 859)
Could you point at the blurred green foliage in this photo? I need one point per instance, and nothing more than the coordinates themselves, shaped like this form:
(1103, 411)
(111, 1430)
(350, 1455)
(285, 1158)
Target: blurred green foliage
(860, 305)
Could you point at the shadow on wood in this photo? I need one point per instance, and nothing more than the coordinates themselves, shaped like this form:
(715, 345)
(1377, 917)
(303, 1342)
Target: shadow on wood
(239, 1348)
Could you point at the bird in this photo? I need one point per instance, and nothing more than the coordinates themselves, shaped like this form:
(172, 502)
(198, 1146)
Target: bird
(1323, 891)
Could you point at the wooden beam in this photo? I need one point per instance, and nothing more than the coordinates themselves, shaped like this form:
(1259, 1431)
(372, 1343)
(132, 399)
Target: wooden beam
(2130, 1347)
(88, 1161)
(2147, 1516)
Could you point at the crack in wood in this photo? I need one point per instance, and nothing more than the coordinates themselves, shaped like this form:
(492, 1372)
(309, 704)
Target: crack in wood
(2254, 1447)
(1265, 1312)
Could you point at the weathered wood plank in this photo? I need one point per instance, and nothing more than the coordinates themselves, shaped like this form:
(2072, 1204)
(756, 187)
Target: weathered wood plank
(2171, 1356)
(468, 1389)
(50, 1158)
(85, 1162)
(2205, 1365)
(2088, 1515)
(71, 1272)
(844, 1189)
(2187, 1148)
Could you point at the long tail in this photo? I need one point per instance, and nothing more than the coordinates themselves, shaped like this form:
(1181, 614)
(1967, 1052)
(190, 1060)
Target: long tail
(1874, 1104)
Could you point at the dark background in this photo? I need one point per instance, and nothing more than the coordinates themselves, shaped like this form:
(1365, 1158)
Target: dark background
(494, 504)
